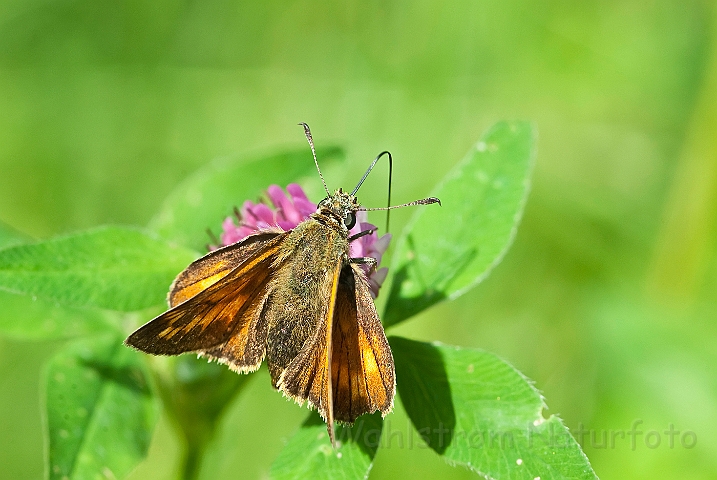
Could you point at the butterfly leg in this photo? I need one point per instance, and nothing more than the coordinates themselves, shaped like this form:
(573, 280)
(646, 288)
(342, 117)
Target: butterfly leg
(360, 234)
(365, 261)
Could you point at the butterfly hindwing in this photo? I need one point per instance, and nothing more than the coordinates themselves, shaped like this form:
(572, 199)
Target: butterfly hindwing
(362, 366)
(245, 348)
(225, 311)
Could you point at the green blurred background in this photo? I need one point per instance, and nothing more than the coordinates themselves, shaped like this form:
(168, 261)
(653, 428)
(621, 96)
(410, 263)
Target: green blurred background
(606, 299)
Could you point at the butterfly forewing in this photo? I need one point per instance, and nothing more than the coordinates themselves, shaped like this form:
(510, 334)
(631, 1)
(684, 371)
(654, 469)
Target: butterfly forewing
(362, 367)
(224, 309)
(214, 266)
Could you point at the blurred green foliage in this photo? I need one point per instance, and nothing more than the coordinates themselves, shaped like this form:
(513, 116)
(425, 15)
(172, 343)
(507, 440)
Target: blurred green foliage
(607, 298)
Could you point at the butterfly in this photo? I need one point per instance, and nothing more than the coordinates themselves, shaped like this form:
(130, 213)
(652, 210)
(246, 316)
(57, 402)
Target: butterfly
(295, 299)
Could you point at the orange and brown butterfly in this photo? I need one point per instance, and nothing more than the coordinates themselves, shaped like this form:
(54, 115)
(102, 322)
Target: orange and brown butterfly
(295, 298)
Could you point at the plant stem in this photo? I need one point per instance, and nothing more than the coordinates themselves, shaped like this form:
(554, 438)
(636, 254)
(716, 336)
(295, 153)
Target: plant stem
(195, 394)
(192, 459)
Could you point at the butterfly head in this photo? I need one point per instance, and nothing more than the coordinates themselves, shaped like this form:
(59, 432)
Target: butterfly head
(340, 206)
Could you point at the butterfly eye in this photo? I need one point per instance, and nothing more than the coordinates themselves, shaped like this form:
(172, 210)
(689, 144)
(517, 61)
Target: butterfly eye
(350, 220)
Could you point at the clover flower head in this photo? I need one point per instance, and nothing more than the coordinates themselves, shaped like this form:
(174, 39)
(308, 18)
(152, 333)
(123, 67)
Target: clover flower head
(286, 212)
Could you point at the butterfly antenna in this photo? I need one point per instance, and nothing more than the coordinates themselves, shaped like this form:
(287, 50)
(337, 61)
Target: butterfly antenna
(307, 132)
(390, 176)
(423, 201)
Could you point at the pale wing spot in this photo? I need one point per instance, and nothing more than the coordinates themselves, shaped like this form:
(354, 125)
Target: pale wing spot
(195, 321)
(168, 332)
